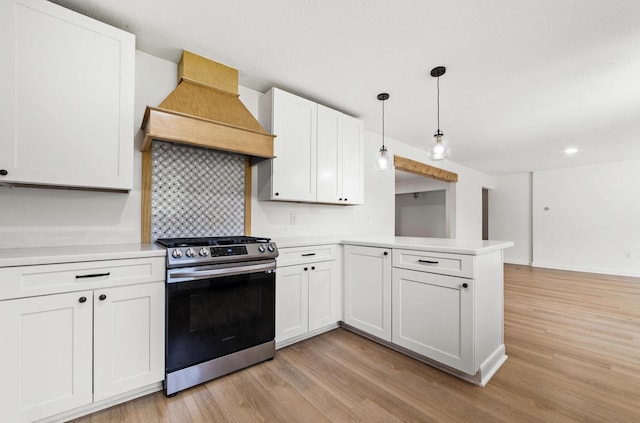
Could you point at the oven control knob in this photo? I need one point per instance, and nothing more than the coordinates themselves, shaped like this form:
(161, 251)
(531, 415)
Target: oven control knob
(177, 253)
(190, 252)
(203, 252)
(270, 248)
(261, 248)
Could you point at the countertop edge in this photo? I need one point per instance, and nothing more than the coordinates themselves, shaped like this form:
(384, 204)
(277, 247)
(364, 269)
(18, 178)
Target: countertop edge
(419, 244)
(433, 248)
(75, 254)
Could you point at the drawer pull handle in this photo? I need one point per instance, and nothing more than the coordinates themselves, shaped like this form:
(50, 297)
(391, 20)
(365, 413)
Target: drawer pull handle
(308, 254)
(93, 275)
(428, 261)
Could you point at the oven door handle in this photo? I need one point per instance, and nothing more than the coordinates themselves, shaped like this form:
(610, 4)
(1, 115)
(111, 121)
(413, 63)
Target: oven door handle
(229, 271)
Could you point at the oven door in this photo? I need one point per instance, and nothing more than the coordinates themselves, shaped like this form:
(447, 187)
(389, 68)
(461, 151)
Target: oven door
(217, 310)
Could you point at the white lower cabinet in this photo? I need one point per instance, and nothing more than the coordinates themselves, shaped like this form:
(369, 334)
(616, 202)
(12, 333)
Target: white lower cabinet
(46, 355)
(324, 287)
(449, 308)
(62, 351)
(367, 290)
(307, 293)
(292, 304)
(433, 316)
(128, 338)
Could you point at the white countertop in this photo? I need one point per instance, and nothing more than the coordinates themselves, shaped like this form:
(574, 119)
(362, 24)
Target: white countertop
(53, 255)
(444, 245)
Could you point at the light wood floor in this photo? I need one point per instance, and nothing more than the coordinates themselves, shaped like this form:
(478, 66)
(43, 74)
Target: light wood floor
(573, 341)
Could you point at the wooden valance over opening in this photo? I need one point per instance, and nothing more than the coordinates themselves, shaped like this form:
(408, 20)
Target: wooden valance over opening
(422, 169)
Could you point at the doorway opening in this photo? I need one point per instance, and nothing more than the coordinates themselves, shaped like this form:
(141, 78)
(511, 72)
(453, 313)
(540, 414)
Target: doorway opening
(422, 214)
(425, 200)
(485, 214)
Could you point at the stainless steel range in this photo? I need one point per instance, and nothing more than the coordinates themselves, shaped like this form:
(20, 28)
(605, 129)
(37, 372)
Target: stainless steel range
(220, 314)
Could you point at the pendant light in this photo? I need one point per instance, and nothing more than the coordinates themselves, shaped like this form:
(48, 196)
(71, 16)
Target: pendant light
(384, 159)
(439, 150)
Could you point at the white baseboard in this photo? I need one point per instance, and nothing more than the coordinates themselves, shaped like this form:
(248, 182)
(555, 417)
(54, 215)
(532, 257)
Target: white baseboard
(521, 262)
(602, 271)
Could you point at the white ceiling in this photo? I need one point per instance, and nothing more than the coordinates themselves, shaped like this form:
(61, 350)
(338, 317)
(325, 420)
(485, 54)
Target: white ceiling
(525, 78)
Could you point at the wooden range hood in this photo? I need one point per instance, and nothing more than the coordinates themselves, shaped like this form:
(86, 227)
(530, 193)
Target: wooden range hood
(204, 110)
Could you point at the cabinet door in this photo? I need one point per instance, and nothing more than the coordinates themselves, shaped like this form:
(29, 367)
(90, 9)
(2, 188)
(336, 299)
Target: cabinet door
(433, 316)
(340, 158)
(352, 160)
(46, 355)
(67, 103)
(292, 293)
(329, 151)
(367, 284)
(324, 296)
(128, 338)
(294, 167)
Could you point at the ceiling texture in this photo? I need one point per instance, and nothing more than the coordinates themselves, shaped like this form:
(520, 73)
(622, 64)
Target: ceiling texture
(525, 79)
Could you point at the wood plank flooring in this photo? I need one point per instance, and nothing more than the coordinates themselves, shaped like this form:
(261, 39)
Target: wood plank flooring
(573, 341)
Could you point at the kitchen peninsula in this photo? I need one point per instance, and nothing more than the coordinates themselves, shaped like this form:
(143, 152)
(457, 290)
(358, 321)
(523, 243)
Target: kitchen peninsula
(437, 300)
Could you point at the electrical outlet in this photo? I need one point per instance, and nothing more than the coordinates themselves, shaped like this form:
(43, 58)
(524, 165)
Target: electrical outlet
(292, 218)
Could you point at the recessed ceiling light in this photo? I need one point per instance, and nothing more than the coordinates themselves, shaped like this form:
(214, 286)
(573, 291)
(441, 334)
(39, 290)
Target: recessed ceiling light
(570, 151)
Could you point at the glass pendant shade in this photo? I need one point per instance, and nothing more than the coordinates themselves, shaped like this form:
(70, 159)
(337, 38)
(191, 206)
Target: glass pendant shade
(439, 150)
(384, 159)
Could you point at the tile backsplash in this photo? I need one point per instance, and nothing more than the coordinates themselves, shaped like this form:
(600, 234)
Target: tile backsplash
(196, 192)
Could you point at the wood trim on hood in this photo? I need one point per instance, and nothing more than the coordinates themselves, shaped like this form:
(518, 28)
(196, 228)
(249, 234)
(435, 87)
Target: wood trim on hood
(204, 110)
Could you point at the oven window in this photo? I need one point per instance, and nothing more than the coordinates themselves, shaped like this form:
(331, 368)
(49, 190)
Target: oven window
(210, 318)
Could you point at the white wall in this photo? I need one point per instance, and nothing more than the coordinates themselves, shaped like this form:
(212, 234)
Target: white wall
(593, 218)
(49, 217)
(510, 216)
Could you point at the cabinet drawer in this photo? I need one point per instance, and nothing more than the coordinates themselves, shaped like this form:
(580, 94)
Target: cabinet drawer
(311, 254)
(28, 281)
(441, 263)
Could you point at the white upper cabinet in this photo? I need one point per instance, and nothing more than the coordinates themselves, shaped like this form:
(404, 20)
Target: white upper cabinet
(66, 111)
(340, 158)
(292, 174)
(319, 152)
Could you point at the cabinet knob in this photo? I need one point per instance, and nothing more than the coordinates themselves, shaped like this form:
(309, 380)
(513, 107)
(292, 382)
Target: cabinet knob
(82, 299)
(345, 199)
(102, 297)
(386, 253)
(3, 172)
(306, 268)
(465, 285)
(313, 268)
(277, 193)
(339, 199)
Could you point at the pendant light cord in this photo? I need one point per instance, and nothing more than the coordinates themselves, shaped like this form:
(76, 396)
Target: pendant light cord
(383, 123)
(438, 100)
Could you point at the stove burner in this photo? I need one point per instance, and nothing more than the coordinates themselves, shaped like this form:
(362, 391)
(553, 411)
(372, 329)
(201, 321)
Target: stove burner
(210, 241)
